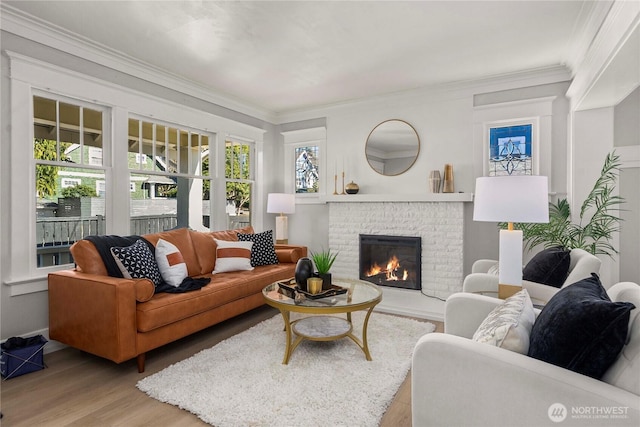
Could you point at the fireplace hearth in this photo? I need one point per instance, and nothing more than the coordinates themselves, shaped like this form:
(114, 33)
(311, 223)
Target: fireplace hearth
(391, 260)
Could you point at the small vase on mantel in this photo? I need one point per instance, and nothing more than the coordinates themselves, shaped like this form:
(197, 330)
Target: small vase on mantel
(447, 186)
(434, 181)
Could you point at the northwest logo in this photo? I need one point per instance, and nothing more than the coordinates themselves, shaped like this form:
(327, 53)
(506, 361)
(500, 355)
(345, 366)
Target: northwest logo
(557, 412)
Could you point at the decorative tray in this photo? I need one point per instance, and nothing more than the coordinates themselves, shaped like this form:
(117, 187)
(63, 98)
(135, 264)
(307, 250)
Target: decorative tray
(290, 290)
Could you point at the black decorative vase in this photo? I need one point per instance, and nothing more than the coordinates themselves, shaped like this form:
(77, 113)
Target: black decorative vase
(304, 270)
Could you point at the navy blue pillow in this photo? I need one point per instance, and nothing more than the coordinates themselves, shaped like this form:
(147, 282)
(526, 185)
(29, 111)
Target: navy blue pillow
(549, 267)
(581, 329)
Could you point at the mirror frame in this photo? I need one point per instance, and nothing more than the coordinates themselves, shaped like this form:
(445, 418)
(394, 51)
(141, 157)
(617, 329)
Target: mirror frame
(415, 158)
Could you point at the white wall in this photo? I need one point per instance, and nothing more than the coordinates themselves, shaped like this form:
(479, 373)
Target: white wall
(443, 119)
(627, 141)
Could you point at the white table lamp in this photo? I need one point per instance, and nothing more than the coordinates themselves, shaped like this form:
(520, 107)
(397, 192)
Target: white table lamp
(522, 198)
(282, 203)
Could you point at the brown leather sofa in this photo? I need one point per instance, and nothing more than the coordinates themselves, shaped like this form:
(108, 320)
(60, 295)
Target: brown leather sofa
(120, 319)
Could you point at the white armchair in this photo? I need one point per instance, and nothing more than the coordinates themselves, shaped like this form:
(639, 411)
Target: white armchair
(481, 282)
(459, 382)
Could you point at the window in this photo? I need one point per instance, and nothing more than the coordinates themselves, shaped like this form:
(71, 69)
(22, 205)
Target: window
(307, 177)
(239, 182)
(67, 153)
(170, 182)
(72, 139)
(510, 150)
(305, 164)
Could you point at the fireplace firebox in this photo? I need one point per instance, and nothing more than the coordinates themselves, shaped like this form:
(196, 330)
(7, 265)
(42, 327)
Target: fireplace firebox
(391, 260)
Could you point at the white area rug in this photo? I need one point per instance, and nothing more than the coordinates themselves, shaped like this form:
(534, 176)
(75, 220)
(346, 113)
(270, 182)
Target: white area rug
(242, 381)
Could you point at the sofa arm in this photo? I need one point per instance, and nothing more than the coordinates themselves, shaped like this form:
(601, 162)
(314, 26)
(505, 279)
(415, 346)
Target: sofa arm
(456, 381)
(93, 313)
(290, 253)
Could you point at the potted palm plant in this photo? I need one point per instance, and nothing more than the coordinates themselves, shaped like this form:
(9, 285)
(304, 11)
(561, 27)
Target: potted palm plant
(323, 261)
(596, 224)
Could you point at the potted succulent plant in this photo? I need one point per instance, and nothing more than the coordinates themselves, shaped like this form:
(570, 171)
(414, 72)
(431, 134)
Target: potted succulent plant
(323, 261)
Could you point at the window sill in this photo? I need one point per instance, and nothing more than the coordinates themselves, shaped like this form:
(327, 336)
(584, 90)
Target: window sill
(36, 283)
(27, 286)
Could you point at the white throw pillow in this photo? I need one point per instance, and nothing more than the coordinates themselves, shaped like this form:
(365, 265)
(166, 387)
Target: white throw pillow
(171, 263)
(232, 256)
(509, 324)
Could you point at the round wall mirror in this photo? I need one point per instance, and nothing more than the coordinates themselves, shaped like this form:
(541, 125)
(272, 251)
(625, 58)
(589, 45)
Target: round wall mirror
(392, 147)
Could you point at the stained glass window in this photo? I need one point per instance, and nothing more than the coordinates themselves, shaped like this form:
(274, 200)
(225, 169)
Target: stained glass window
(510, 150)
(307, 177)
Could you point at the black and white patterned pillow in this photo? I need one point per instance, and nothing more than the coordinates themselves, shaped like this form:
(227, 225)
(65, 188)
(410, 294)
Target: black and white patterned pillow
(263, 251)
(137, 262)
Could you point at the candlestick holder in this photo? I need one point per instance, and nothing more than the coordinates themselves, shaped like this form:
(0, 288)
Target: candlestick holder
(343, 183)
(335, 184)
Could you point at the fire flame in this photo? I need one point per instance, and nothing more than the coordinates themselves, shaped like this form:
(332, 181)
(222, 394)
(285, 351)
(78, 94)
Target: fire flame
(392, 267)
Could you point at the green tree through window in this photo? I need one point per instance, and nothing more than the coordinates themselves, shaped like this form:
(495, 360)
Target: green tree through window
(46, 175)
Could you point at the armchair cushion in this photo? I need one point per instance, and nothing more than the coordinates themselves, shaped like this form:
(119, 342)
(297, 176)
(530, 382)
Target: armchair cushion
(581, 329)
(509, 324)
(550, 267)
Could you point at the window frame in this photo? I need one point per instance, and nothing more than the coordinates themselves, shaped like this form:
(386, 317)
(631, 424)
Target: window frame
(191, 175)
(535, 111)
(29, 76)
(304, 138)
(253, 153)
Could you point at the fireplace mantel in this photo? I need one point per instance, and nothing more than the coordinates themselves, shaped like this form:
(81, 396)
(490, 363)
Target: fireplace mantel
(377, 198)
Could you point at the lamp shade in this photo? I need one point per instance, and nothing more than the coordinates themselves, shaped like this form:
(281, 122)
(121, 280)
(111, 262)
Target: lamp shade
(282, 203)
(522, 198)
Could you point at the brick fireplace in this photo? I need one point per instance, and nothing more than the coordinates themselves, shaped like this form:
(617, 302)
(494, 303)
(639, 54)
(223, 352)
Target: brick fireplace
(439, 224)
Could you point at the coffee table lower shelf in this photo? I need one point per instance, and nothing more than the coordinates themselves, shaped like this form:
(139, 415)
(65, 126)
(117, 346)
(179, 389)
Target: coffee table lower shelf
(322, 328)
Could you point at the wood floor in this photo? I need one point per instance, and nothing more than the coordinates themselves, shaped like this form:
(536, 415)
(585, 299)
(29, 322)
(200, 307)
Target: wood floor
(78, 389)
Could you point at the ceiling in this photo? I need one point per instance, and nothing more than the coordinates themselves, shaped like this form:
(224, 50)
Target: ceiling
(291, 55)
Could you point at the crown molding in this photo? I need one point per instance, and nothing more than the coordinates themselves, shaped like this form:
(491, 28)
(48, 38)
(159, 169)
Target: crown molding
(621, 24)
(592, 15)
(453, 90)
(22, 24)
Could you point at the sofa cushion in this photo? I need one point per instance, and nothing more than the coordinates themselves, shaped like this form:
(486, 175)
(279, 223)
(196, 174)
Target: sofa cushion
(549, 267)
(509, 324)
(165, 309)
(290, 253)
(232, 256)
(137, 262)
(181, 238)
(263, 251)
(581, 329)
(206, 246)
(172, 267)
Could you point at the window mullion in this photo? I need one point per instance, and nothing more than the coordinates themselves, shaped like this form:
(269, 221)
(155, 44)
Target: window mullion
(58, 154)
(81, 131)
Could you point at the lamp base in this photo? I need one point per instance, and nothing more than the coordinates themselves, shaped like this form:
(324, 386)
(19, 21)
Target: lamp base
(282, 241)
(505, 291)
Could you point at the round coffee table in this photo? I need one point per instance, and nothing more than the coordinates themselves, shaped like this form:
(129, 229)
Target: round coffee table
(323, 325)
